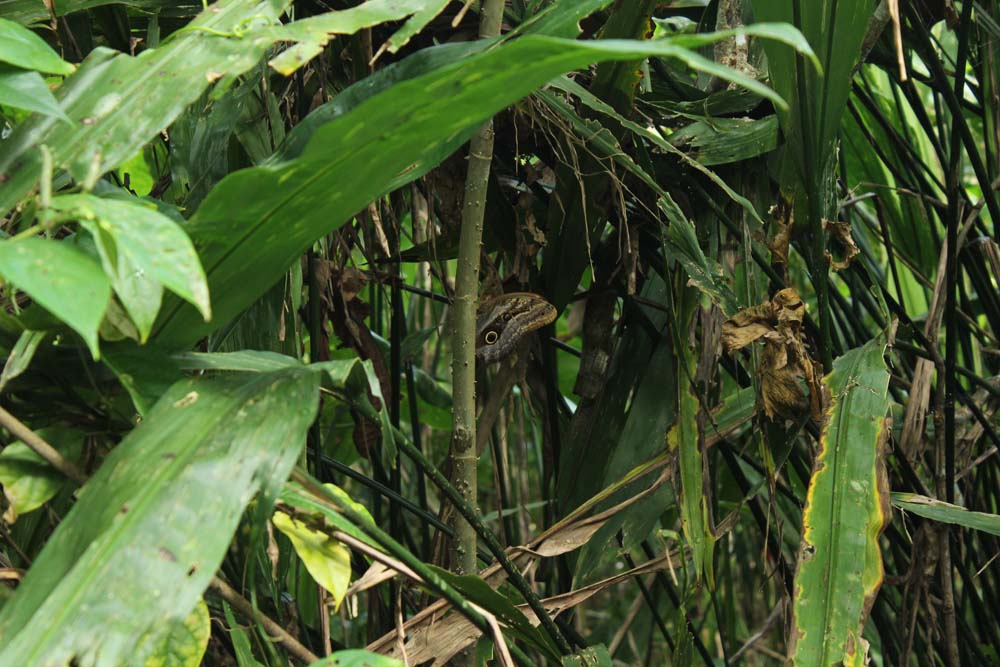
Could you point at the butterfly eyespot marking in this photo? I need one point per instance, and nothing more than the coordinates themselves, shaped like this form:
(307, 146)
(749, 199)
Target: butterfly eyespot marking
(491, 337)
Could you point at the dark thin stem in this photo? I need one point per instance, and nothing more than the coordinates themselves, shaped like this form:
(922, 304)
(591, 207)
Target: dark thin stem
(664, 583)
(648, 597)
(469, 513)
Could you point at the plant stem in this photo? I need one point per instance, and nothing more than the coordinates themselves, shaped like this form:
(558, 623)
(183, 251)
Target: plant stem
(470, 514)
(37, 444)
(245, 608)
(393, 548)
(463, 441)
(463, 435)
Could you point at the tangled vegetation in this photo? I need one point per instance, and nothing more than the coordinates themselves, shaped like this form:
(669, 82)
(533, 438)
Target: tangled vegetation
(539, 332)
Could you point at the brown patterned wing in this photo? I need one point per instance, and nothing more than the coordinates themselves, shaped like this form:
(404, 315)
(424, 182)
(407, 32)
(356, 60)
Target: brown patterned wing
(503, 322)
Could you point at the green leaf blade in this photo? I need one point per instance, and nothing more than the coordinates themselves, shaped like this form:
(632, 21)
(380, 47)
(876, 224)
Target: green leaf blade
(22, 48)
(62, 279)
(123, 560)
(146, 249)
(840, 564)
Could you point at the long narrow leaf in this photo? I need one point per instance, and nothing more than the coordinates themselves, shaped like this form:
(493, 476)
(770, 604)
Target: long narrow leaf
(256, 222)
(840, 564)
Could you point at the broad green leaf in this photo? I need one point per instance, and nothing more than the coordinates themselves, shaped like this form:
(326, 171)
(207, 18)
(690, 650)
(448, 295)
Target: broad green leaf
(593, 656)
(561, 18)
(727, 140)
(942, 512)
(21, 355)
(141, 249)
(328, 561)
(840, 564)
(28, 481)
(185, 644)
(24, 89)
(421, 62)
(313, 33)
(220, 43)
(60, 278)
(119, 102)
(22, 48)
(834, 29)
(253, 361)
(124, 561)
(817, 99)
(357, 658)
(777, 32)
(684, 649)
(258, 221)
(145, 372)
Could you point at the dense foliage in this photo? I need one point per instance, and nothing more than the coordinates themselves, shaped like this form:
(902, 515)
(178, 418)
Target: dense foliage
(742, 404)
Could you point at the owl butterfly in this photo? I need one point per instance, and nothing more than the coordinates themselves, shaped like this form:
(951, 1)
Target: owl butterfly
(503, 321)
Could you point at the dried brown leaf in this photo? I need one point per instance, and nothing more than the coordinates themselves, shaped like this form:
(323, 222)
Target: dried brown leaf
(840, 232)
(789, 382)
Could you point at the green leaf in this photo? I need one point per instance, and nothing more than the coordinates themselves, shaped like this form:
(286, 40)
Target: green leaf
(22, 48)
(562, 19)
(684, 439)
(328, 561)
(240, 639)
(313, 33)
(357, 658)
(817, 99)
(834, 29)
(28, 481)
(24, 89)
(258, 221)
(62, 279)
(638, 408)
(593, 656)
(294, 496)
(421, 62)
(413, 344)
(680, 243)
(840, 564)
(123, 563)
(119, 102)
(727, 140)
(146, 373)
(252, 361)
(778, 32)
(942, 512)
(185, 643)
(656, 139)
(21, 355)
(141, 249)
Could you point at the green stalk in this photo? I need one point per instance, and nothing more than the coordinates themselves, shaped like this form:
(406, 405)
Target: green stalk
(463, 440)
(463, 456)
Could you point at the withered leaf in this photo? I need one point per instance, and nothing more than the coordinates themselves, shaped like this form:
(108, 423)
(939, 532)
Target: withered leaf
(789, 383)
(840, 232)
